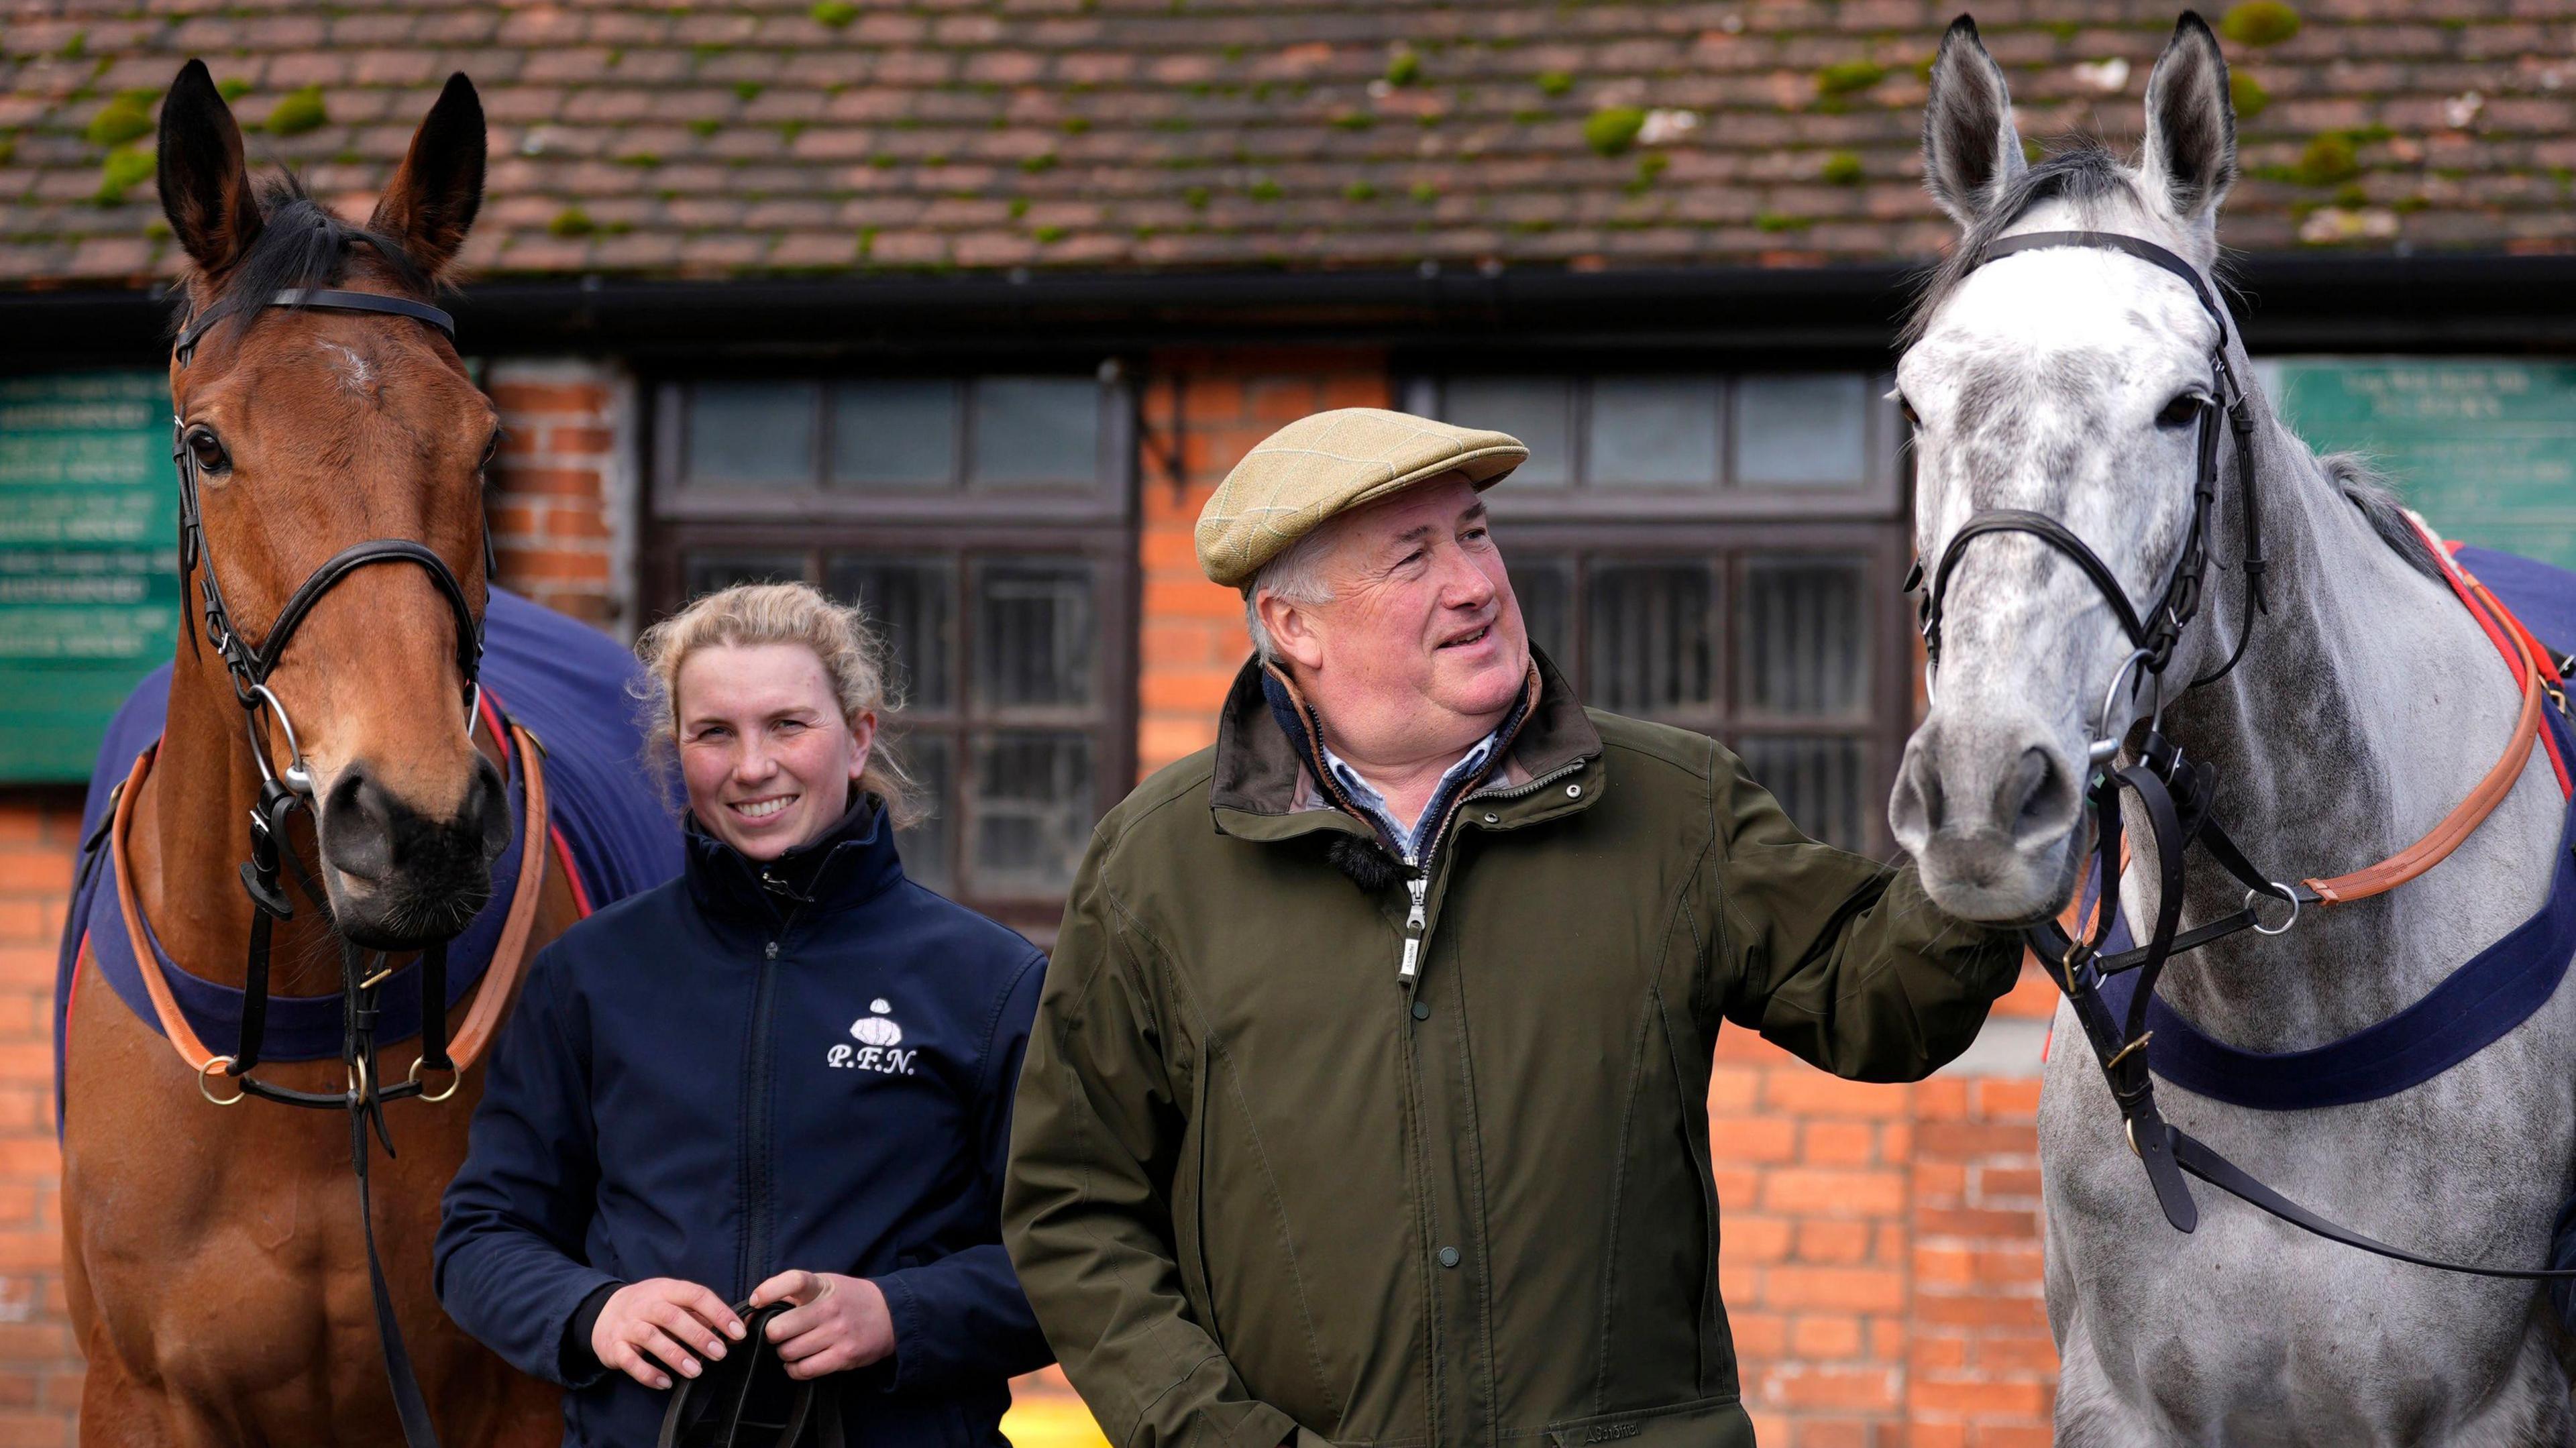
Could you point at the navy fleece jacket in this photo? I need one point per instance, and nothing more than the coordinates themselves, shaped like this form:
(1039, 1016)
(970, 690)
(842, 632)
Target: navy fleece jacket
(717, 1081)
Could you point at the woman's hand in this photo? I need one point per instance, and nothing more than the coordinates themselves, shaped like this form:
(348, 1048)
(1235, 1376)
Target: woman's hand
(838, 1322)
(664, 1319)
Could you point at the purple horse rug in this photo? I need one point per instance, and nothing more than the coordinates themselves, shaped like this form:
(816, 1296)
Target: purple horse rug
(613, 830)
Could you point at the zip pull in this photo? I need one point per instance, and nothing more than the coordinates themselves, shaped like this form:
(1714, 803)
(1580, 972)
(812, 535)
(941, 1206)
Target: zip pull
(1413, 923)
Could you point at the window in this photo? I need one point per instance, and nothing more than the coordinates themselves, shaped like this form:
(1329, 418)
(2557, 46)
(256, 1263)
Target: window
(1718, 552)
(1796, 443)
(983, 523)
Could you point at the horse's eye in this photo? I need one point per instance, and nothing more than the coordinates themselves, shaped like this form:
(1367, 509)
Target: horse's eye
(1905, 405)
(2183, 411)
(208, 450)
(491, 450)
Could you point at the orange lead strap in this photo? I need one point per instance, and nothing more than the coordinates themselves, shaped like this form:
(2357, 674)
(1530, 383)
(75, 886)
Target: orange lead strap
(2465, 817)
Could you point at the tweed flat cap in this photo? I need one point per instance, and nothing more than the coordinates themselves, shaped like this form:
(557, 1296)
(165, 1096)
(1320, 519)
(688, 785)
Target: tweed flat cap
(1330, 463)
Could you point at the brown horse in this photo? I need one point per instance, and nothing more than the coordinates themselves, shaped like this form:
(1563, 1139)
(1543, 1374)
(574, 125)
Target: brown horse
(214, 1258)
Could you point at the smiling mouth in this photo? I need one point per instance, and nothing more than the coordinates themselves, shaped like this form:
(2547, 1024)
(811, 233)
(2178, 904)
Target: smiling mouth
(760, 809)
(1466, 640)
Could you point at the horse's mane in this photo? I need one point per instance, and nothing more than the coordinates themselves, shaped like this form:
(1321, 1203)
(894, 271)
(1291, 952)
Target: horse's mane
(301, 244)
(2366, 488)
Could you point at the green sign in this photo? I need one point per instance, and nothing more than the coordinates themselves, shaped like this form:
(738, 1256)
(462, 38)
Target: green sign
(89, 586)
(2485, 450)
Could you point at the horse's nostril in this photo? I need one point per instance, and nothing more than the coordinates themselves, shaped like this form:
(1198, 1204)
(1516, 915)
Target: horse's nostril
(2035, 796)
(357, 827)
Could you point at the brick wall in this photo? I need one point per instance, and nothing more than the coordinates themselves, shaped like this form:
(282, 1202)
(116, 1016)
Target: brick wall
(40, 1368)
(1202, 411)
(563, 488)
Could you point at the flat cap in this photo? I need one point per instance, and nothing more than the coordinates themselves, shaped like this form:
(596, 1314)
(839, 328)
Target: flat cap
(1330, 463)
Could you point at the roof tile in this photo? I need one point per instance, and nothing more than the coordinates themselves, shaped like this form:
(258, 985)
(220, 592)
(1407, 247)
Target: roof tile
(1192, 133)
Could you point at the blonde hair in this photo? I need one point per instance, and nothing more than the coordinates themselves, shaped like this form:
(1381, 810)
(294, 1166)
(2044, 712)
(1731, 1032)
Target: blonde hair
(748, 614)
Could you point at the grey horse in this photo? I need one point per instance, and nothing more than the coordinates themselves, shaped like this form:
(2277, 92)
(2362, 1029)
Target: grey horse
(2368, 704)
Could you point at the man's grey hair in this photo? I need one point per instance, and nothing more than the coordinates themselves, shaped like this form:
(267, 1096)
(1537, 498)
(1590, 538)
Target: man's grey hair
(1295, 575)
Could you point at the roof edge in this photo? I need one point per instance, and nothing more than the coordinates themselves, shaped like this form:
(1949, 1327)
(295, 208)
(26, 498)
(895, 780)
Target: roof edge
(2424, 302)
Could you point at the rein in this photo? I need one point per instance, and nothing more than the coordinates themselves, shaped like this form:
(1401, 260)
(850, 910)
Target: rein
(2175, 795)
(284, 790)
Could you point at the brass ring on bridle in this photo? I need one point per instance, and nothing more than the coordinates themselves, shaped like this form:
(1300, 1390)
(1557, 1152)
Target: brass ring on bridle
(206, 1071)
(455, 1078)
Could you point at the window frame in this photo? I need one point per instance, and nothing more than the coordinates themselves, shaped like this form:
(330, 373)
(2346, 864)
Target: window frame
(1109, 497)
(1882, 494)
(955, 524)
(1884, 551)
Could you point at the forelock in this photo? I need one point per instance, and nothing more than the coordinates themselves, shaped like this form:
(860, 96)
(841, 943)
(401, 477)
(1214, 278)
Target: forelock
(2086, 176)
(301, 245)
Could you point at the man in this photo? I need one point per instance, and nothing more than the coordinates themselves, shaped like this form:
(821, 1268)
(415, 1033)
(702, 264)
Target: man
(1367, 1098)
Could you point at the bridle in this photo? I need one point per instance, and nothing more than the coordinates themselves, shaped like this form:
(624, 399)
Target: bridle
(2154, 634)
(2175, 795)
(283, 790)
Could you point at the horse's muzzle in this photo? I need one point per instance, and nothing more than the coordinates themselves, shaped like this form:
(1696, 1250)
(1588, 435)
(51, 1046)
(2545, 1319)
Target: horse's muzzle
(404, 877)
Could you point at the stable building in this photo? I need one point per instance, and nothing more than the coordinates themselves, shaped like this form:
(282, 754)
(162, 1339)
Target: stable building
(961, 309)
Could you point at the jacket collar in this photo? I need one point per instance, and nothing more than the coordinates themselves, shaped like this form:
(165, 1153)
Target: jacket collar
(1265, 747)
(851, 864)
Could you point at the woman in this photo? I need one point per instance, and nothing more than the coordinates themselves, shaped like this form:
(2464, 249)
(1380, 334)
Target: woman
(783, 1077)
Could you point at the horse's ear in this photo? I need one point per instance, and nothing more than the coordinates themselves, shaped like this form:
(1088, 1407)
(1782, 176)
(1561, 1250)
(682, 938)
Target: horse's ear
(2191, 123)
(1970, 150)
(205, 184)
(430, 203)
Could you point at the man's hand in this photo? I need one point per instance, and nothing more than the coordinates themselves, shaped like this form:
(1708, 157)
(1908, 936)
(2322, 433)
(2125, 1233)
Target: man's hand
(838, 1322)
(664, 1319)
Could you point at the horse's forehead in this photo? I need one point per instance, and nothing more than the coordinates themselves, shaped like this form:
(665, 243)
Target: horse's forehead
(374, 366)
(2038, 308)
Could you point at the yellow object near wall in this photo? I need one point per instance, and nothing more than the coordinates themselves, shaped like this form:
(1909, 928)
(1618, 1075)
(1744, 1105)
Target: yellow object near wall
(1051, 1420)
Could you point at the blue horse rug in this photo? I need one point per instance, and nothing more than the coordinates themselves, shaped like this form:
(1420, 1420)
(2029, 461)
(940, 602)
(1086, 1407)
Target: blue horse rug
(566, 682)
(2491, 993)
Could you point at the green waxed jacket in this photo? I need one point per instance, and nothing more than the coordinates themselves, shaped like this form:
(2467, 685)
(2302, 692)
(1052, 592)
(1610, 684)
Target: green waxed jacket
(1262, 1185)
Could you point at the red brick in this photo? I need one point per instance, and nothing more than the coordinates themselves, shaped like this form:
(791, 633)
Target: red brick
(1836, 1387)
(1839, 1143)
(1759, 1335)
(561, 482)
(1195, 599)
(1991, 1398)
(1806, 1189)
(1753, 1138)
(2026, 1354)
(1965, 1222)
(580, 440)
(1212, 399)
(576, 523)
(1825, 1336)
(1813, 1093)
(1732, 1089)
(1972, 1139)
(1750, 1238)
(1849, 1289)
(1995, 1182)
(585, 399)
(2002, 1096)
(1833, 1241)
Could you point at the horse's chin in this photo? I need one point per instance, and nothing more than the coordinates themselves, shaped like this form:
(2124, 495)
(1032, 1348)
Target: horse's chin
(406, 915)
(1994, 880)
